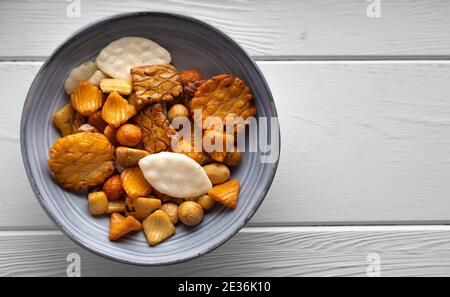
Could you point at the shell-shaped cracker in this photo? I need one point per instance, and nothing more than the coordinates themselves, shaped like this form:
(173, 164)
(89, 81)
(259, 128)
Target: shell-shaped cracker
(175, 175)
(117, 110)
(120, 225)
(221, 96)
(119, 56)
(142, 207)
(158, 227)
(134, 183)
(226, 193)
(155, 83)
(78, 74)
(86, 98)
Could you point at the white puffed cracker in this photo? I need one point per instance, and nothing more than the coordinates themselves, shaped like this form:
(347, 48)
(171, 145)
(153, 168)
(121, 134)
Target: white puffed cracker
(97, 77)
(175, 175)
(79, 73)
(119, 56)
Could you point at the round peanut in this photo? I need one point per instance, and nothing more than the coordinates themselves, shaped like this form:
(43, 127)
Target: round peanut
(206, 202)
(189, 76)
(171, 209)
(129, 135)
(218, 173)
(177, 111)
(113, 187)
(190, 213)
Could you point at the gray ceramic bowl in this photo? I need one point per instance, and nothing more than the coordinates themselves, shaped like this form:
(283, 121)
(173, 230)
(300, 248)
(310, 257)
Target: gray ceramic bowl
(193, 44)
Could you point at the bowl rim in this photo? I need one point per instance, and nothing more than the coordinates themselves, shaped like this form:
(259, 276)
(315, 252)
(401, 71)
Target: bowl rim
(32, 181)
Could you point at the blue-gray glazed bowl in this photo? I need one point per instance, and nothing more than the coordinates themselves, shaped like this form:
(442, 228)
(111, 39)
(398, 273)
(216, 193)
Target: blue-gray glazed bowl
(192, 44)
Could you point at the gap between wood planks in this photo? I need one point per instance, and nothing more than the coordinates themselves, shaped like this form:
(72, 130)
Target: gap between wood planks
(408, 58)
(25, 231)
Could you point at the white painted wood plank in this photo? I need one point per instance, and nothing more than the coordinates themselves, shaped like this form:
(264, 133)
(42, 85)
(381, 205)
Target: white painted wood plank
(252, 252)
(18, 205)
(267, 28)
(361, 143)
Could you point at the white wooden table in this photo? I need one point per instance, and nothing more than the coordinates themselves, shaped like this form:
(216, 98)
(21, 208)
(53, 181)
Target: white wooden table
(364, 104)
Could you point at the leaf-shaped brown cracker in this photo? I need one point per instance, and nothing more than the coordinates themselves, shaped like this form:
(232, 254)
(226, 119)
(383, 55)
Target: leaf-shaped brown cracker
(223, 95)
(81, 160)
(155, 83)
(156, 129)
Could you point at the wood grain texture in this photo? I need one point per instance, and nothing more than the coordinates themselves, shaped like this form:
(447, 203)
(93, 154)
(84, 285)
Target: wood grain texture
(17, 203)
(265, 28)
(362, 143)
(253, 251)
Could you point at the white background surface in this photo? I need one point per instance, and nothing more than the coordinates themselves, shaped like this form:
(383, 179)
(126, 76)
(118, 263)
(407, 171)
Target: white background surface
(364, 108)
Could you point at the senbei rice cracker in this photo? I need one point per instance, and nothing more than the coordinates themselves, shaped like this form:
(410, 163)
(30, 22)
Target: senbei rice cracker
(119, 56)
(78, 74)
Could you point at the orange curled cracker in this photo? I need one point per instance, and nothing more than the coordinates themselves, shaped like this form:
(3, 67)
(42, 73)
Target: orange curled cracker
(81, 160)
(120, 225)
(155, 83)
(226, 193)
(117, 110)
(156, 129)
(224, 95)
(87, 98)
(134, 183)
